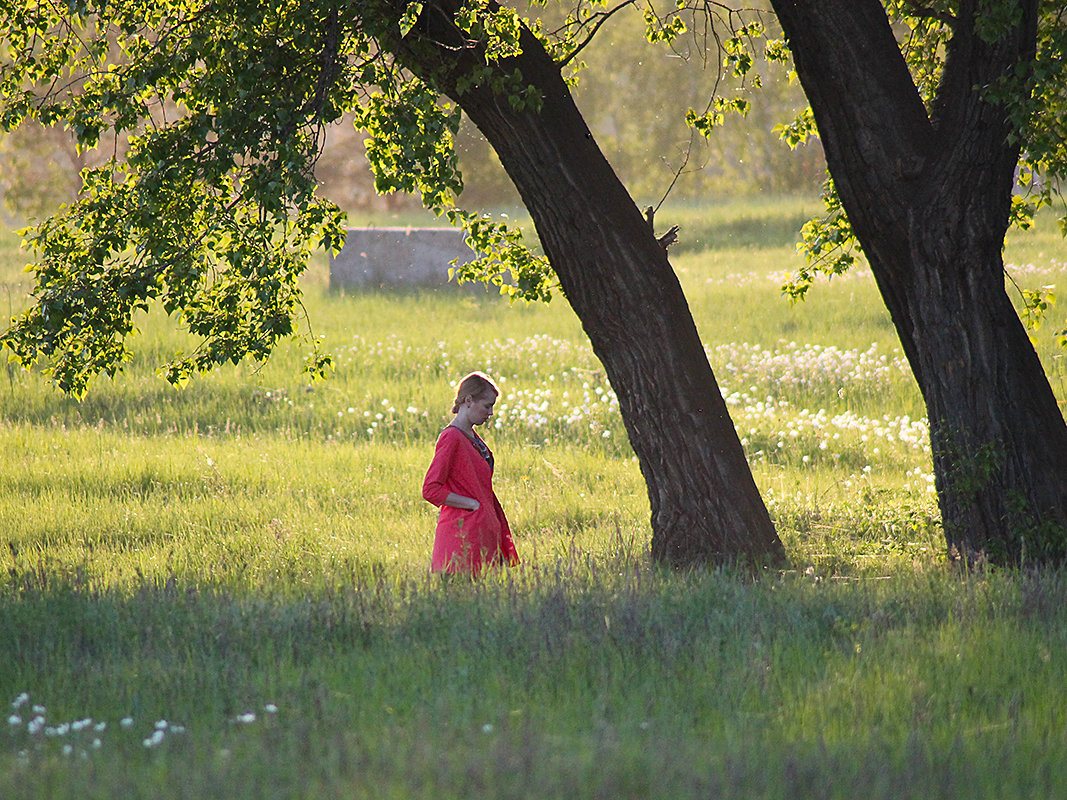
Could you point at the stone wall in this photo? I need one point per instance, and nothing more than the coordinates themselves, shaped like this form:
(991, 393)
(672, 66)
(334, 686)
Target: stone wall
(394, 257)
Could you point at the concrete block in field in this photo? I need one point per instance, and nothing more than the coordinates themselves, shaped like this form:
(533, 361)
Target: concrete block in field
(389, 257)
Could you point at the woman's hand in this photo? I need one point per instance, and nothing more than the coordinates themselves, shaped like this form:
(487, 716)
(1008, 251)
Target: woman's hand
(460, 501)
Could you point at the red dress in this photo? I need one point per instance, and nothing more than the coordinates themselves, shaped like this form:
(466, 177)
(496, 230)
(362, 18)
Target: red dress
(466, 541)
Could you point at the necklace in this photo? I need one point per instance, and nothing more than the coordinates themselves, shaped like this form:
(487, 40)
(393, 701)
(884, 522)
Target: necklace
(479, 445)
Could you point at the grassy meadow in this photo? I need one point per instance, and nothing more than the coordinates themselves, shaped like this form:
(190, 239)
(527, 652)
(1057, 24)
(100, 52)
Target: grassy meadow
(221, 591)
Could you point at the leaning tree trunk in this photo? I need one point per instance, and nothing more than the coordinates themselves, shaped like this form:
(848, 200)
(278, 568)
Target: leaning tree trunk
(705, 505)
(928, 196)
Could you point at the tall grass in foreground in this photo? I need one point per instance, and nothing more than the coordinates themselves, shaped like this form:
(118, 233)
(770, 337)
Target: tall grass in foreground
(221, 591)
(595, 678)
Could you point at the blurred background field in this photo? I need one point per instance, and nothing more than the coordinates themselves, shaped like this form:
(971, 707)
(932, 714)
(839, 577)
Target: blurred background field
(244, 561)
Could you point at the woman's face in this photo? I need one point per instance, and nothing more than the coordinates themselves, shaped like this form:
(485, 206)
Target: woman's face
(481, 409)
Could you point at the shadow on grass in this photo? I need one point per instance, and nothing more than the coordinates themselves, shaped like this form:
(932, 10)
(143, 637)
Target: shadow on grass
(571, 678)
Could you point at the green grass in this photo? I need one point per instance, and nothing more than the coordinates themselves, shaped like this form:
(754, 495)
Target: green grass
(252, 546)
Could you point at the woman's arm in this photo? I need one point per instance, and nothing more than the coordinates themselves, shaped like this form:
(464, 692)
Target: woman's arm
(435, 487)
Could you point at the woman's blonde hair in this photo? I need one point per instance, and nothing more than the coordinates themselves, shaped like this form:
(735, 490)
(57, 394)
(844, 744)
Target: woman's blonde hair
(476, 385)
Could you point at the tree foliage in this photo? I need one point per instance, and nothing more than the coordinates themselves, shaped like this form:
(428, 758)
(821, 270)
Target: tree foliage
(219, 120)
(214, 115)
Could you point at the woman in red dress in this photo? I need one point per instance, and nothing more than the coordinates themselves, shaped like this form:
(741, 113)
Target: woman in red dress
(472, 531)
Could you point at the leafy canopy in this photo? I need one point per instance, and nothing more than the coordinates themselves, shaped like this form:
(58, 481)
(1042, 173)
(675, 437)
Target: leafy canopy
(213, 115)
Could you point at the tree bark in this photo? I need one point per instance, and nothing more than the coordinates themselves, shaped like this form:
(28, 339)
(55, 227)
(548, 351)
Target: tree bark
(705, 506)
(928, 196)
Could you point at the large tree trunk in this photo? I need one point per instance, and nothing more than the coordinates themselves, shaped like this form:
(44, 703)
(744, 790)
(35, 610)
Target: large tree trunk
(928, 196)
(706, 508)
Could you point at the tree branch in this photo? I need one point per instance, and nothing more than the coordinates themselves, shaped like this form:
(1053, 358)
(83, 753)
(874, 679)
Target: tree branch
(601, 17)
(667, 239)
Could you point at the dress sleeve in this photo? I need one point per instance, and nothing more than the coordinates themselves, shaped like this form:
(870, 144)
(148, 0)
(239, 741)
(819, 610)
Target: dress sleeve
(434, 486)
